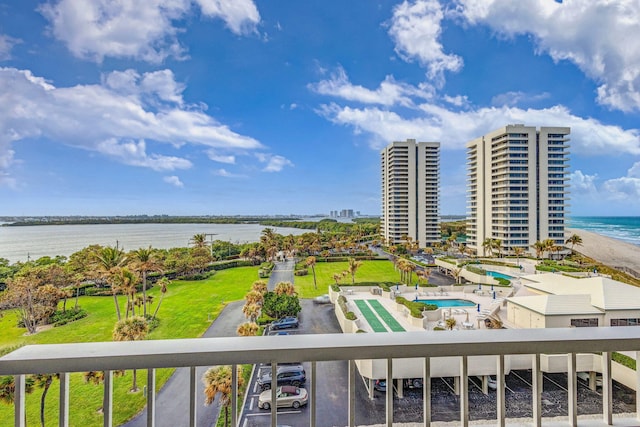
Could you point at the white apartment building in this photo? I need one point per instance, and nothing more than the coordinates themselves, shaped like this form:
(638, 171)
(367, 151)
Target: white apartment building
(517, 185)
(410, 192)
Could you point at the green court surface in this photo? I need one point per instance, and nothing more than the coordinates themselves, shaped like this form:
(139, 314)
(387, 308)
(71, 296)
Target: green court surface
(371, 318)
(386, 316)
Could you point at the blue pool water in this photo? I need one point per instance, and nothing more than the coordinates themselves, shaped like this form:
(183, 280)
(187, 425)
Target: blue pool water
(500, 275)
(448, 302)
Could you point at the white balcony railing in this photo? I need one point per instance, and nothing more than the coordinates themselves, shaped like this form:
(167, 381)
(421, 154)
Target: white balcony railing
(151, 355)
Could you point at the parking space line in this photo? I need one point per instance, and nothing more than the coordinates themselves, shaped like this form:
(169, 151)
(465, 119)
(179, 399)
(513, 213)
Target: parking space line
(244, 423)
(251, 403)
(268, 414)
(255, 387)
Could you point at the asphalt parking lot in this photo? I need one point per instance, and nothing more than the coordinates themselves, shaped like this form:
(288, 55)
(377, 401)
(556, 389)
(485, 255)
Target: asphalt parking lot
(333, 396)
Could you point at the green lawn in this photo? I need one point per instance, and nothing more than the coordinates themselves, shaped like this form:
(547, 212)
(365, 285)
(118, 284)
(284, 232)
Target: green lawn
(370, 271)
(184, 314)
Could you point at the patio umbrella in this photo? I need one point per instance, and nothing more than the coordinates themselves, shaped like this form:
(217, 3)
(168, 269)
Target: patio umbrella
(480, 286)
(492, 286)
(467, 320)
(478, 308)
(494, 294)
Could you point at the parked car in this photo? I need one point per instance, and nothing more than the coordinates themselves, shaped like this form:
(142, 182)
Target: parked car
(287, 396)
(413, 382)
(285, 322)
(294, 375)
(322, 299)
(380, 385)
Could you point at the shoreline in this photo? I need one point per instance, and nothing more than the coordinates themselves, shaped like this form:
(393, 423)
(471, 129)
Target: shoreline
(607, 250)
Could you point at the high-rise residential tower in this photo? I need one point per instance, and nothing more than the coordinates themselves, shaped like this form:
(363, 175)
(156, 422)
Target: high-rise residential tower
(517, 187)
(410, 186)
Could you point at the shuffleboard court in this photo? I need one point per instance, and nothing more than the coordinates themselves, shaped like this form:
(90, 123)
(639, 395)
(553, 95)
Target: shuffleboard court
(370, 316)
(386, 317)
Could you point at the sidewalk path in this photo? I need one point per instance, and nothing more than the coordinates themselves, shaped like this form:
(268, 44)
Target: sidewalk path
(172, 402)
(282, 272)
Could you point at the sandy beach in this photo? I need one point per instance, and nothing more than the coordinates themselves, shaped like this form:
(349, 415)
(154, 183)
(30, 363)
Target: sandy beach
(607, 250)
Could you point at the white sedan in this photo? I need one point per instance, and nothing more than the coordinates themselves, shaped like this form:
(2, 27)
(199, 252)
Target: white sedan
(287, 396)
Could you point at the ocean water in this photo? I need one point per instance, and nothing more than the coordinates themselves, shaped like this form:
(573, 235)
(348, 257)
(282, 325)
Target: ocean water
(626, 228)
(21, 243)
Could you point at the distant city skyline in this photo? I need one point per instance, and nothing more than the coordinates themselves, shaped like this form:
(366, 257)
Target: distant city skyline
(202, 107)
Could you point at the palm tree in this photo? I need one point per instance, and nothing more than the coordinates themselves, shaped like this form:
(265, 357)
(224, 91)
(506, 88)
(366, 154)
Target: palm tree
(199, 240)
(574, 240)
(450, 323)
(311, 262)
(353, 268)
(44, 381)
(259, 286)
(248, 329)
(108, 261)
(145, 261)
(518, 251)
(496, 244)
(96, 378)
(126, 281)
(487, 245)
(8, 388)
(218, 381)
(548, 244)
(251, 311)
(134, 328)
(285, 288)
(337, 277)
(254, 297)
(539, 247)
(163, 283)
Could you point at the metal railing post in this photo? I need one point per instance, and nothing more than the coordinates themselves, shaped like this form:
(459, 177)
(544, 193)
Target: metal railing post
(107, 409)
(234, 395)
(607, 388)
(572, 387)
(500, 391)
(312, 398)
(464, 392)
(536, 390)
(193, 409)
(389, 396)
(63, 419)
(352, 393)
(18, 400)
(426, 392)
(151, 397)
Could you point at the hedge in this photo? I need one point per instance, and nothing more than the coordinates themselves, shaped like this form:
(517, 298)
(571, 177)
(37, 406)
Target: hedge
(416, 308)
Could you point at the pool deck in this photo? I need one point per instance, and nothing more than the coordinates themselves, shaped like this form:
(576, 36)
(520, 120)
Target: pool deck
(467, 318)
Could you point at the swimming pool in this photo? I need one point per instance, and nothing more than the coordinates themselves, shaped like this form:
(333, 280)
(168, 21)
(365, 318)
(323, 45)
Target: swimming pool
(448, 302)
(500, 275)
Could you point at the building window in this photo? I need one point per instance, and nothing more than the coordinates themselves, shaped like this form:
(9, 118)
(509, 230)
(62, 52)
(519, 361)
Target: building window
(625, 322)
(584, 323)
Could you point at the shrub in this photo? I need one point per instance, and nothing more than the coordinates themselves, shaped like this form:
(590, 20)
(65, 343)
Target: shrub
(303, 272)
(60, 318)
(200, 276)
(502, 282)
(415, 307)
(335, 288)
(342, 302)
(624, 360)
(265, 319)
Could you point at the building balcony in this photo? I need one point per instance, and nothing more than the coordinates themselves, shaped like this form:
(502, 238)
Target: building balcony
(463, 352)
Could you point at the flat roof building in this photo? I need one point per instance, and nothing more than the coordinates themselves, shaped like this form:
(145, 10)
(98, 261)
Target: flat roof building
(517, 187)
(410, 192)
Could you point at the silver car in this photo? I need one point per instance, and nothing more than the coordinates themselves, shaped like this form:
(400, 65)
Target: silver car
(287, 396)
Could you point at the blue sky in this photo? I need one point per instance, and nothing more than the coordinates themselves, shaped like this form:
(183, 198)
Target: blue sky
(262, 107)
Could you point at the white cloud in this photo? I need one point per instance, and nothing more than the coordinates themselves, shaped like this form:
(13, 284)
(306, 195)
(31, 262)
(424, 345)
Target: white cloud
(626, 187)
(388, 93)
(221, 158)
(241, 16)
(142, 30)
(173, 180)
(226, 174)
(455, 128)
(514, 98)
(582, 183)
(274, 163)
(599, 36)
(415, 28)
(458, 100)
(6, 44)
(121, 118)
(135, 154)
